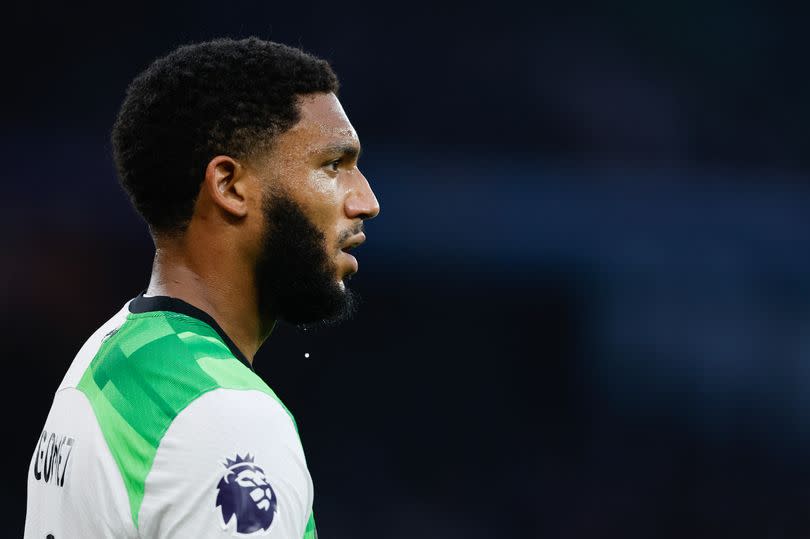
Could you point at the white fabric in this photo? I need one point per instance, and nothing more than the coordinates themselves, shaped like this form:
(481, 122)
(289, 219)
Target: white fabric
(92, 502)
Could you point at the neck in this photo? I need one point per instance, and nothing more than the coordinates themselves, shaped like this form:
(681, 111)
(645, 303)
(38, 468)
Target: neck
(207, 284)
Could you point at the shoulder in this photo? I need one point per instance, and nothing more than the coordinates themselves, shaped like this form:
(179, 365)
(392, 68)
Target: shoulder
(164, 360)
(154, 366)
(149, 374)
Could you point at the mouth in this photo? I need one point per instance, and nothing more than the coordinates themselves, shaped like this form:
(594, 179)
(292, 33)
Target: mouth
(353, 242)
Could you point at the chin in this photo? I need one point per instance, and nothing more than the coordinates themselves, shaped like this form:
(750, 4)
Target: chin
(346, 275)
(341, 307)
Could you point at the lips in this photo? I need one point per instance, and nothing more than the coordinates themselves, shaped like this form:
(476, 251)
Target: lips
(353, 242)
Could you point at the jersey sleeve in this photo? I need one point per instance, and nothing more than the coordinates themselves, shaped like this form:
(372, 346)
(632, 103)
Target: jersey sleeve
(229, 465)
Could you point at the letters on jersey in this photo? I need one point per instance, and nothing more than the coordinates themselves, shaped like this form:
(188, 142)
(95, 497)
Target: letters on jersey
(52, 457)
(245, 495)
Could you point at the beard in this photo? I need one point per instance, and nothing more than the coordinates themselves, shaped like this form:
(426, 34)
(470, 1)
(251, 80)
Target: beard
(295, 274)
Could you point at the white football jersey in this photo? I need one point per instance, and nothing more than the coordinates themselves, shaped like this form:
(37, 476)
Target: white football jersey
(161, 429)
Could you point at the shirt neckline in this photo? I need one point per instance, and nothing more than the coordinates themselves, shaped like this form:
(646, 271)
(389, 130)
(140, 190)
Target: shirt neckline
(144, 304)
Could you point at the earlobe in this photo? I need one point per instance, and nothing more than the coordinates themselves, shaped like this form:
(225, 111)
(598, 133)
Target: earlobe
(225, 184)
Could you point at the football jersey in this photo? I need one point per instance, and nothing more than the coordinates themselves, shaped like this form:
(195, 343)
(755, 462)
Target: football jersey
(161, 429)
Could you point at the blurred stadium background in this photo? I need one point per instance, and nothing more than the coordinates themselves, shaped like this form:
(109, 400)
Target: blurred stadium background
(587, 297)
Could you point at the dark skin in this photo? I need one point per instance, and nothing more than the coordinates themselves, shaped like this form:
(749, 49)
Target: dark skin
(212, 265)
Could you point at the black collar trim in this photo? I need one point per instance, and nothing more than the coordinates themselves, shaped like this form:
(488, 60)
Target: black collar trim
(143, 304)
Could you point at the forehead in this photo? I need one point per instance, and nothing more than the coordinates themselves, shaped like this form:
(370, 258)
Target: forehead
(323, 123)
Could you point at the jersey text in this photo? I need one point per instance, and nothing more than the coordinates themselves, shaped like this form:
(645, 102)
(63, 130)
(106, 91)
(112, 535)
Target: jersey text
(52, 457)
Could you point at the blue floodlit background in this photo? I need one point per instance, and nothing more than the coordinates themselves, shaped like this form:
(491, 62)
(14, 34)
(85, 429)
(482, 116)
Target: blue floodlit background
(587, 297)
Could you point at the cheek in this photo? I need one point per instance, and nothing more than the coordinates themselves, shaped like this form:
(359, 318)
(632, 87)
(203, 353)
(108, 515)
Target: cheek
(323, 203)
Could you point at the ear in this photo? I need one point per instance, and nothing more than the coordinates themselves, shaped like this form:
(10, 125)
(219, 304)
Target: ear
(225, 184)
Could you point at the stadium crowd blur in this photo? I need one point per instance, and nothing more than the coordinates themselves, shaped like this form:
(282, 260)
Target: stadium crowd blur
(586, 301)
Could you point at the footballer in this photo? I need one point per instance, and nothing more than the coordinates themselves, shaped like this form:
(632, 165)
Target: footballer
(241, 160)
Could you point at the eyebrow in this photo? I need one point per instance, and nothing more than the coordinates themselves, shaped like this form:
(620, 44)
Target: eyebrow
(346, 150)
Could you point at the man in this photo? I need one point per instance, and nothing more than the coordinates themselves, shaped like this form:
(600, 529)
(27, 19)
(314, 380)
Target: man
(242, 162)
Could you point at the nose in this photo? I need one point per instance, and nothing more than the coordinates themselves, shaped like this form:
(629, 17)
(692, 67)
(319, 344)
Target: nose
(361, 202)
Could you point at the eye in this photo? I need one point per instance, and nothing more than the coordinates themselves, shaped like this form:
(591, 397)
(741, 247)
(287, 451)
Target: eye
(334, 165)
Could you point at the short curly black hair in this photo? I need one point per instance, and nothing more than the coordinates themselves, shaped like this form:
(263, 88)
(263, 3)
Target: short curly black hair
(221, 97)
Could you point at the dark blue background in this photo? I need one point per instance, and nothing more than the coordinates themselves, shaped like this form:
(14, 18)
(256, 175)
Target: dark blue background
(587, 297)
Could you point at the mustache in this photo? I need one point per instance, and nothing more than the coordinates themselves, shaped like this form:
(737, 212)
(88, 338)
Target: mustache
(348, 233)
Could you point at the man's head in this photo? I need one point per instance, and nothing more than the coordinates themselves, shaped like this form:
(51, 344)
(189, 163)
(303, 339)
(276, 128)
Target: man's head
(241, 149)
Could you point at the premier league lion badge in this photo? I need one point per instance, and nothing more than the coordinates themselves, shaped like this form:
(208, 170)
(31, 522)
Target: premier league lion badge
(245, 495)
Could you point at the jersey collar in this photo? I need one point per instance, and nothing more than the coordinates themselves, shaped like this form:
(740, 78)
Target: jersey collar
(144, 304)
